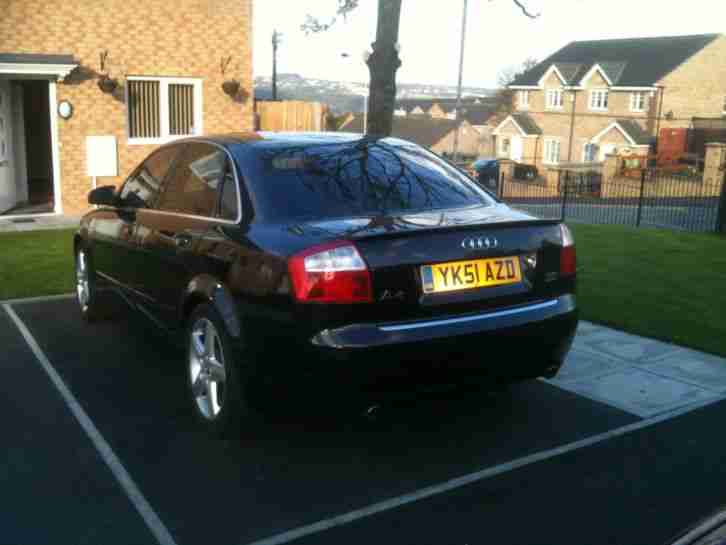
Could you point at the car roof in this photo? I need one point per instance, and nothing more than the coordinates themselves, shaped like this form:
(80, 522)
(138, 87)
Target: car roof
(262, 138)
(253, 137)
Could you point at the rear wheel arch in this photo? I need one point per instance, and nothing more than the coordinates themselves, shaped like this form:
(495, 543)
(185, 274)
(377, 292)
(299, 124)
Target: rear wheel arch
(77, 242)
(207, 289)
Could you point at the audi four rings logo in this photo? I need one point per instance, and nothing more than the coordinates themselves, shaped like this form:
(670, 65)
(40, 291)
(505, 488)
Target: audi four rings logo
(479, 243)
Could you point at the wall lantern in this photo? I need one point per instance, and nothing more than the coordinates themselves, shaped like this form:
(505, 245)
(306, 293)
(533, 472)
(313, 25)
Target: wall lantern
(65, 109)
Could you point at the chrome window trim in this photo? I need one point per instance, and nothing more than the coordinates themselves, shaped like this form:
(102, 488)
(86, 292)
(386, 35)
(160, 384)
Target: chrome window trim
(464, 319)
(194, 216)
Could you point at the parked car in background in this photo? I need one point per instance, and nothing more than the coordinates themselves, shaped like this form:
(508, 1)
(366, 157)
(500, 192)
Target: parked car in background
(336, 258)
(487, 173)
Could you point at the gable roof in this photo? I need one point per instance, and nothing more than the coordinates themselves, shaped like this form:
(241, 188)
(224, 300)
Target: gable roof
(636, 133)
(526, 125)
(447, 104)
(630, 129)
(631, 62)
(423, 130)
(478, 114)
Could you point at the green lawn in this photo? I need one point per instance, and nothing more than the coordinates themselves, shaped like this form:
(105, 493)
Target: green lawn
(36, 263)
(658, 283)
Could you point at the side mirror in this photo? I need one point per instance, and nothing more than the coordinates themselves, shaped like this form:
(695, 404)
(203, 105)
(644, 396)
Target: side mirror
(104, 196)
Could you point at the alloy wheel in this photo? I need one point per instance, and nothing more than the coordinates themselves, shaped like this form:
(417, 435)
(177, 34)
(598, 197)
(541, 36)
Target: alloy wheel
(83, 287)
(207, 372)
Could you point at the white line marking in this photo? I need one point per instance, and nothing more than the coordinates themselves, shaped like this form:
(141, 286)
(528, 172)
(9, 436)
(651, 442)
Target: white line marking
(423, 493)
(37, 299)
(156, 526)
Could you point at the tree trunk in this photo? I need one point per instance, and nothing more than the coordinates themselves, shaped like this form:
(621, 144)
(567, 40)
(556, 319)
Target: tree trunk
(382, 65)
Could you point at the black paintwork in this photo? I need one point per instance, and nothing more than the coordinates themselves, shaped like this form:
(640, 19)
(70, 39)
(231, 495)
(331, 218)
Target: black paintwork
(165, 263)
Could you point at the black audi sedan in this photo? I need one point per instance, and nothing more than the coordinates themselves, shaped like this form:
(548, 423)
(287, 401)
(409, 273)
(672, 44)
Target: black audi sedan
(352, 261)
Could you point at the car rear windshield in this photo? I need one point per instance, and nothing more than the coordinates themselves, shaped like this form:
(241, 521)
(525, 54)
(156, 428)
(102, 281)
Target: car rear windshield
(354, 178)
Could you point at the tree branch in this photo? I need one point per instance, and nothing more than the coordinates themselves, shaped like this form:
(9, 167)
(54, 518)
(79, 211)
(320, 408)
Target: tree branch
(312, 25)
(524, 9)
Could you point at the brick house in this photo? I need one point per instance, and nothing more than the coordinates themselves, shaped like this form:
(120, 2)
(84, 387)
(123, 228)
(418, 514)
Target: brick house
(593, 98)
(435, 134)
(168, 61)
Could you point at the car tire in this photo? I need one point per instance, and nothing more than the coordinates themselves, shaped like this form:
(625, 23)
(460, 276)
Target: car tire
(217, 376)
(86, 287)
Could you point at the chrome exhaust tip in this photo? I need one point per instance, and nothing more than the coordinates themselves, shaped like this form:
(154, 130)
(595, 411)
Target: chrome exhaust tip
(371, 413)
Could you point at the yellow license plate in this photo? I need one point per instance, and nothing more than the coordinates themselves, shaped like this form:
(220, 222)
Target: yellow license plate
(462, 275)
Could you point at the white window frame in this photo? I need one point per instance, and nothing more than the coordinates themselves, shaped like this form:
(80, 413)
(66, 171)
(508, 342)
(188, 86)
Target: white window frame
(634, 100)
(555, 99)
(523, 102)
(594, 157)
(164, 83)
(599, 100)
(5, 114)
(547, 148)
(502, 151)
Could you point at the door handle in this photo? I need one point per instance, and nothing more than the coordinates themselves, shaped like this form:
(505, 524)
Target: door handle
(183, 241)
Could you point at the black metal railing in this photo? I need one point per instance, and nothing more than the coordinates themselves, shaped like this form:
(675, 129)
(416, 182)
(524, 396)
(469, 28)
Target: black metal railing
(654, 199)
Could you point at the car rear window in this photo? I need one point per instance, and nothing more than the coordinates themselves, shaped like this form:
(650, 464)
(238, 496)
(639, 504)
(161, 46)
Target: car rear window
(361, 177)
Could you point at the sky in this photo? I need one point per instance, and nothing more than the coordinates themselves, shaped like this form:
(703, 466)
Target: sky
(497, 34)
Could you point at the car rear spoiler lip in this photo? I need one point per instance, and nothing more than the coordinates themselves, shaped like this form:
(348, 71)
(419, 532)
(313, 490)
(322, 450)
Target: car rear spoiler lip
(362, 235)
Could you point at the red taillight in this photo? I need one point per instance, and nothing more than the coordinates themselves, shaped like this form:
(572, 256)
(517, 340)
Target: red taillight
(330, 273)
(568, 261)
(568, 257)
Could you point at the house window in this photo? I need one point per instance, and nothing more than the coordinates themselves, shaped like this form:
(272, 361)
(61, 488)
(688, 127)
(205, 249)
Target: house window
(554, 98)
(505, 146)
(590, 153)
(551, 151)
(599, 99)
(638, 101)
(162, 109)
(523, 100)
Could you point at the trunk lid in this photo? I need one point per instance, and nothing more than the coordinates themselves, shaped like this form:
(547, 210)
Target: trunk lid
(396, 248)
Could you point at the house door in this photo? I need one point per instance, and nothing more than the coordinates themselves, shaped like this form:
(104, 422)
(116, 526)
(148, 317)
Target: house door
(26, 165)
(516, 149)
(8, 193)
(606, 149)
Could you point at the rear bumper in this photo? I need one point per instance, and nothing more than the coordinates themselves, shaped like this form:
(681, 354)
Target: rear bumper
(366, 336)
(502, 346)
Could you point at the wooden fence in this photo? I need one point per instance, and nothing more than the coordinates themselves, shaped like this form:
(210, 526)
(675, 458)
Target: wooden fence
(291, 115)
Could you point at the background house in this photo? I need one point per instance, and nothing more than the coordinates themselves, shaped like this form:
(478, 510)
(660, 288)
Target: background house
(168, 68)
(613, 96)
(433, 133)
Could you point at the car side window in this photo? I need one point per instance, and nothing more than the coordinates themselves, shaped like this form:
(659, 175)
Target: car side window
(142, 189)
(193, 182)
(228, 200)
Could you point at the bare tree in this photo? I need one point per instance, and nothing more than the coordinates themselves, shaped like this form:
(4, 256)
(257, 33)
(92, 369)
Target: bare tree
(383, 61)
(506, 76)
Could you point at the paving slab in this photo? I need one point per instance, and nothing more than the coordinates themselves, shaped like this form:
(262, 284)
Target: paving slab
(622, 345)
(640, 392)
(583, 365)
(9, 224)
(640, 375)
(691, 366)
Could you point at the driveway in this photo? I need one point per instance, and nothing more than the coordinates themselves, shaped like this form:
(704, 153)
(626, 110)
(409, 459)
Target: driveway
(100, 446)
